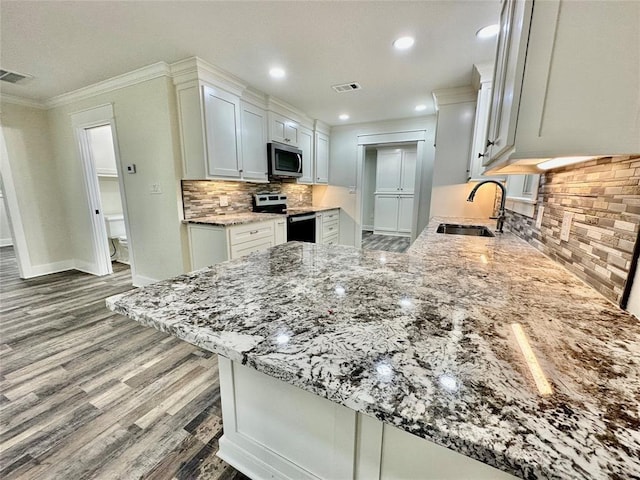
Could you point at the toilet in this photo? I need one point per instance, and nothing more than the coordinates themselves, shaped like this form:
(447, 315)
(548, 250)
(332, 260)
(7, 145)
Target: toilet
(117, 232)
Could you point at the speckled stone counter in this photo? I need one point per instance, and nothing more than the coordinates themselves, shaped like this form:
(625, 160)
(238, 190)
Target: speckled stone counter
(424, 341)
(228, 219)
(297, 210)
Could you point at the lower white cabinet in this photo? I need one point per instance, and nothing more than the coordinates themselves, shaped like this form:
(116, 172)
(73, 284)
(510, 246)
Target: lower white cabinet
(211, 244)
(393, 214)
(328, 227)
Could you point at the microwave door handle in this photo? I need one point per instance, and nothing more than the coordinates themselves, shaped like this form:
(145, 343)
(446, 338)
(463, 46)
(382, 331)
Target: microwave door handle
(299, 162)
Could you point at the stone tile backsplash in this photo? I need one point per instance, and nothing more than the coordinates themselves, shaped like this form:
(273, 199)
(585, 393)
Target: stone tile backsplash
(604, 196)
(202, 197)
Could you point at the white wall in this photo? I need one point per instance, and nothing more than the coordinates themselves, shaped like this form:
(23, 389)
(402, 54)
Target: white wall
(342, 169)
(5, 229)
(40, 199)
(453, 148)
(146, 129)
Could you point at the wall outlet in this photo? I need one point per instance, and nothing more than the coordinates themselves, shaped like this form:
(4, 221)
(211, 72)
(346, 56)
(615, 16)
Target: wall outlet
(566, 226)
(224, 200)
(155, 188)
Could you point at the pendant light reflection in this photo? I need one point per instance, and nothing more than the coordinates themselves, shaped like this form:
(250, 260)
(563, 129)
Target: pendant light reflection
(532, 361)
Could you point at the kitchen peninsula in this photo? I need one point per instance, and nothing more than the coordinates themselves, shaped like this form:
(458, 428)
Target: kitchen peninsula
(425, 343)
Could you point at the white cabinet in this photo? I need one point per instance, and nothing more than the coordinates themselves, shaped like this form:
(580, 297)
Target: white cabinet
(559, 90)
(395, 170)
(328, 227)
(211, 244)
(254, 142)
(305, 143)
(393, 214)
(321, 158)
(222, 127)
(283, 129)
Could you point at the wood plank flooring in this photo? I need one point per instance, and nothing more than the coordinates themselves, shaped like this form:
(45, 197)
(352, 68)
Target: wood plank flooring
(388, 243)
(86, 393)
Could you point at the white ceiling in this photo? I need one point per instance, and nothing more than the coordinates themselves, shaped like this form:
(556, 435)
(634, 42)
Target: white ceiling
(67, 45)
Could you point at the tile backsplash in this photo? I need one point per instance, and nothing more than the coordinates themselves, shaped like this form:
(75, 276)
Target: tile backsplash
(604, 197)
(202, 197)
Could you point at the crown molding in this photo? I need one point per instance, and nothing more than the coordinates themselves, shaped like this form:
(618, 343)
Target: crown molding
(449, 96)
(25, 102)
(255, 97)
(195, 68)
(283, 108)
(482, 73)
(320, 126)
(144, 74)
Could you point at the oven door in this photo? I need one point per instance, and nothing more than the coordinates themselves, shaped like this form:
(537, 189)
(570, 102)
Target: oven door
(301, 228)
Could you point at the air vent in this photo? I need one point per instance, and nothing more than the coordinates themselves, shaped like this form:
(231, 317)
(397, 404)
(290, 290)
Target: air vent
(14, 77)
(346, 87)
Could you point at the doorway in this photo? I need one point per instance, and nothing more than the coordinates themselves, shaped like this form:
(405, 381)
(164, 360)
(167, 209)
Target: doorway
(106, 200)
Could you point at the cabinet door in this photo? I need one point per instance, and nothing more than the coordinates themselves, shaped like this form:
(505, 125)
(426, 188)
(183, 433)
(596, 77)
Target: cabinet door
(408, 171)
(222, 127)
(405, 213)
(515, 19)
(385, 218)
(254, 142)
(388, 167)
(305, 143)
(283, 129)
(319, 230)
(322, 158)
(280, 231)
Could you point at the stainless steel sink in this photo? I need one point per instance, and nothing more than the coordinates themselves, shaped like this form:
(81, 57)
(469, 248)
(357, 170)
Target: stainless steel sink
(475, 230)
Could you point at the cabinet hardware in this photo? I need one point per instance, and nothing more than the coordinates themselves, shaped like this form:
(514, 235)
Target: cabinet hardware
(490, 143)
(480, 155)
(241, 170)
(253, 232)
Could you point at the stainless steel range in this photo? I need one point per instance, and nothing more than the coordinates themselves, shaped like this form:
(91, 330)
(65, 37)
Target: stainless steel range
(301, 227)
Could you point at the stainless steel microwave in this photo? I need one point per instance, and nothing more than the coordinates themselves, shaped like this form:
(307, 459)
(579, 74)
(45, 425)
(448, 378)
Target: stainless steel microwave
(285, 161)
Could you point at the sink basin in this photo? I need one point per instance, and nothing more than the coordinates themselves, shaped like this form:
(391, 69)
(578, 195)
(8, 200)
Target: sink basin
(475, 230)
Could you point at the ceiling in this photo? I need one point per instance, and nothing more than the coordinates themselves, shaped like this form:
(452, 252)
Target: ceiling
(67, 45)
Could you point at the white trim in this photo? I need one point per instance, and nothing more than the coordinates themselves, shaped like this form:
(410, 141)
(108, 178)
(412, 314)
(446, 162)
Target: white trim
(195, 68)
(13, 211)
(6, 242)
(393, 137)
(49, 268)
(450, 96)
(141, 280)
(25, 102)
(83, 266)
(144, 74)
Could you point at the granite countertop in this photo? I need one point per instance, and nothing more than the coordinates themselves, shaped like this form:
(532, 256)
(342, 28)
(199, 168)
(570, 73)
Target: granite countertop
(228, 219)
(310, 209)
(424, 341)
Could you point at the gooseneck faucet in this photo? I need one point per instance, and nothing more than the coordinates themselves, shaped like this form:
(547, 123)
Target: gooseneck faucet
(501, 215)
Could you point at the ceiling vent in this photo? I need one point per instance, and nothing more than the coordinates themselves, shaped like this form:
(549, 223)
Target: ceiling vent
(346, 87)
(14, 77)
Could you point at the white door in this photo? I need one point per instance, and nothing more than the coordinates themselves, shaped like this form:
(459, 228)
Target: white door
(385, 218)
(408, 171)
(322, 158)
(305, 143)
(388, 167)
(222, 128)
(405, 213)
(254, 143)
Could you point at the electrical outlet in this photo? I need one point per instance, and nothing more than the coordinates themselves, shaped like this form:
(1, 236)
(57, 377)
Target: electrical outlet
(155, 188)
(224, 201)
(566, 226)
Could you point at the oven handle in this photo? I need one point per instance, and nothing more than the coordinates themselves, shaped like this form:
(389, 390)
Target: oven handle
(302, 218)
(299, 163)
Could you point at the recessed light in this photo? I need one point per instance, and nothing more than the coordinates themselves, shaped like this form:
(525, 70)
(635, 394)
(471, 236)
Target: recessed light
(403, 43)
(344, 116)
(277, 72)
(488, 31)
(420, 107)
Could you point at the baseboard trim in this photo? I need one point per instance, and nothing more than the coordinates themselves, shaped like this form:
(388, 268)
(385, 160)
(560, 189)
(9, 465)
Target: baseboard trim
(84, 267)
(49, 268)
(141, 280)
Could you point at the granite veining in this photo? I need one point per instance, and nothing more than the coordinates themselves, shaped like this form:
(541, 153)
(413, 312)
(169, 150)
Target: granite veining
(424, 341)
(228, 219)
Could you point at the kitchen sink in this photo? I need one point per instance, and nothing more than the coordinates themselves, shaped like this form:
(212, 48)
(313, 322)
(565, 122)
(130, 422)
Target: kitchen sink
(475, 230)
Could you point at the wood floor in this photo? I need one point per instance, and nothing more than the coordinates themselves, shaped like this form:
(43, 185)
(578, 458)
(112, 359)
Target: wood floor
(86, 393)
(388, 243)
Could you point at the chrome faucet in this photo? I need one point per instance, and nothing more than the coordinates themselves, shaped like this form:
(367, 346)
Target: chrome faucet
(501, 216)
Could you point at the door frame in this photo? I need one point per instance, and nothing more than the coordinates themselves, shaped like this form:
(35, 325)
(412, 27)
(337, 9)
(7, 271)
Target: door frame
(82, 121)
(413, 136)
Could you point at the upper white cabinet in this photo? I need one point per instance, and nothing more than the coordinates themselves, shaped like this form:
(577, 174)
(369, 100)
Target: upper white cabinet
(283, 129)
(561, 90)
(222, 132)
(321, 158)
(305, 143)
(254, 142)
(395, 170)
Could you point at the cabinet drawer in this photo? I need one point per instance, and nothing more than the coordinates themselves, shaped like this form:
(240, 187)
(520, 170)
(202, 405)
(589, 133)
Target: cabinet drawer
(246, 248)
(330, 229)
(331, 239)
(330, 216)
(250, 232)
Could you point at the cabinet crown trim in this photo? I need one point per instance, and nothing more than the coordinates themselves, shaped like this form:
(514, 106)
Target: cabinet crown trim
(450, 96)
(195, 68)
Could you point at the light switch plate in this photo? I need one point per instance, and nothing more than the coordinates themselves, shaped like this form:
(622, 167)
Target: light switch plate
(224, 201)
(131, 168)
(155, 189)
(539, 217)
(566, 226)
